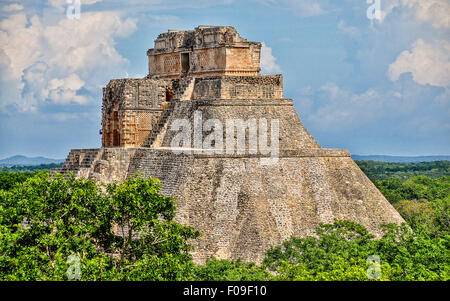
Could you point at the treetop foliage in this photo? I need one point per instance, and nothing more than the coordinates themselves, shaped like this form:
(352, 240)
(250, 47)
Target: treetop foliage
(123, 232)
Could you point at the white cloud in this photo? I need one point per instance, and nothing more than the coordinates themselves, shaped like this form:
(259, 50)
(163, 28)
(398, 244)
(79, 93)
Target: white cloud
(337, 110)
(13, 7)
(427, 23)
(63, 90)
(387, 8)
(268, 61)
(58, 62)
(428, 63)
(340, 109)
(435, 12)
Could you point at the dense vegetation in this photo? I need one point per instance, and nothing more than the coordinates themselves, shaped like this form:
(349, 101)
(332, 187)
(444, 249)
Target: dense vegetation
(55, 229)
(382, 170)
(58, 229)
(344, 251)
(9, 179)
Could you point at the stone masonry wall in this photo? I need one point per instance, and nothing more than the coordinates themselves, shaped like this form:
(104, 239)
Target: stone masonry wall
(242, 207)
(206, 50)
(131, 108)
(291, 131)
(239, 87)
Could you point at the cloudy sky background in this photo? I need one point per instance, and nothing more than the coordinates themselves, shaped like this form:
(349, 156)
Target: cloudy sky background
(372, 86)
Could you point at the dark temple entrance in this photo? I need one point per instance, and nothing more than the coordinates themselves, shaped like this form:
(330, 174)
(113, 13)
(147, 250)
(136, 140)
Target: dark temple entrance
(185, 65)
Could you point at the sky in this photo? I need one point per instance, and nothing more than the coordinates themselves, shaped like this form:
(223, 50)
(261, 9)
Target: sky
(370, 76)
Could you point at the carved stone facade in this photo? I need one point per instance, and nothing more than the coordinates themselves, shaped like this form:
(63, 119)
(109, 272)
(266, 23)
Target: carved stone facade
(207, 50)
(206, 63)
(239, 87)
(131, 108)
(240, 206)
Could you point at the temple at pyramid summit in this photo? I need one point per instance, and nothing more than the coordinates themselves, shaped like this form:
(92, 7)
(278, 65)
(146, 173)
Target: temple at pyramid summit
(221, 137)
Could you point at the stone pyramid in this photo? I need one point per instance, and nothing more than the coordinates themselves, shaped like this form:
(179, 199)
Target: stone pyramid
(243, 199)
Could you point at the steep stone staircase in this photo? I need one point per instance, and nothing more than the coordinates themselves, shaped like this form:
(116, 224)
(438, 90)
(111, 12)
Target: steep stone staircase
(187, 89)
(79, 161)
(183, 91)
(162, 124)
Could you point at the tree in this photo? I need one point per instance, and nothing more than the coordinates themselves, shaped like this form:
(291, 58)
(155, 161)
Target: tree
(51, 227)
(345, 250)
(9, 179)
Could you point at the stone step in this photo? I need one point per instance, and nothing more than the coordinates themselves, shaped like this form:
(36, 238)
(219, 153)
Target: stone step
(179, 94)
(161, 123)
(79, 159)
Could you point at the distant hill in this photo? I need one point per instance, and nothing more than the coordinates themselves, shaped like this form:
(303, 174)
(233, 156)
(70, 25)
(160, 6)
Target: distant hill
(400, 159)
(28, 161)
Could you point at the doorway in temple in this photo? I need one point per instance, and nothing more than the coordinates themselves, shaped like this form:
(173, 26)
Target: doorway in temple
(185, 64)
(115, 129)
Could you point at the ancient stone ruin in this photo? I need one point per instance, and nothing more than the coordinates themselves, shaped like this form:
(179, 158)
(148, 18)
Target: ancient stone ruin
(240, 203)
